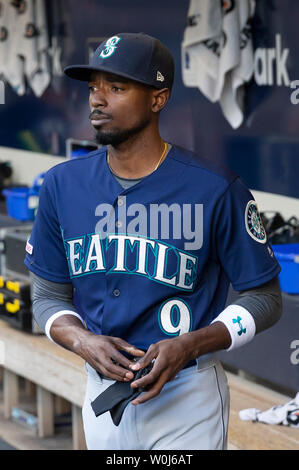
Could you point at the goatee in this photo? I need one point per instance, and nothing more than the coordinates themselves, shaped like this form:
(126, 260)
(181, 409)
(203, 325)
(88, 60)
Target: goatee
(117, 137)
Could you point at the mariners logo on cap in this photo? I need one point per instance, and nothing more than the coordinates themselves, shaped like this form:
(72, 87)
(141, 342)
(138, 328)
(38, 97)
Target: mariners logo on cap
(254, 224)
(110, 47)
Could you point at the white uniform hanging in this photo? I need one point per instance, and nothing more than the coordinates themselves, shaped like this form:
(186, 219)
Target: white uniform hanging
(217, 55)
(37, 60)
(27, 51)
(11, 64)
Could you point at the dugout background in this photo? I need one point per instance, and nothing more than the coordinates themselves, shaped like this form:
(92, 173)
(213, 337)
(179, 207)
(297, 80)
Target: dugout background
(263, 150)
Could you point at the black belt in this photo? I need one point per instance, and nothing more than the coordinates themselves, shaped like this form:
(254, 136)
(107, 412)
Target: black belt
(118, 395)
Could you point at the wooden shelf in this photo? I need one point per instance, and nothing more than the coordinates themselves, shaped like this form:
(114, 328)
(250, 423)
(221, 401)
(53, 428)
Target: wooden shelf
(55, 372)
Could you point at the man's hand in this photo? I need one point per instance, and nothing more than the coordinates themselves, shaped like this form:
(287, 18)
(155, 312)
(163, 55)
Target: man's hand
(101, 352)
(169, 357)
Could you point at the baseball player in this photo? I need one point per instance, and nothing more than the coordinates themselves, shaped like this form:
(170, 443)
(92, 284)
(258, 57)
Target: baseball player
(132, 253)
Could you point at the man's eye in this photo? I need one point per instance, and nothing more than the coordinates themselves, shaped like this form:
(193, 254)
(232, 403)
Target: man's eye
(116, 88)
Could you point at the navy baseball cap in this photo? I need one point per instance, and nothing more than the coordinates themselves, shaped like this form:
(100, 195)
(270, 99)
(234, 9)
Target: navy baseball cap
(136, 56)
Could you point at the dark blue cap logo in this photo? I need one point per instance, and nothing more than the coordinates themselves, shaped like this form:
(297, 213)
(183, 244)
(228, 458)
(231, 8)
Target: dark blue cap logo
(110, 47)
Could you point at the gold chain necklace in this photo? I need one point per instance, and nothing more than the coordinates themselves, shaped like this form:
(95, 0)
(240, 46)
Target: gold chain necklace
(159, 163)
(162, 156)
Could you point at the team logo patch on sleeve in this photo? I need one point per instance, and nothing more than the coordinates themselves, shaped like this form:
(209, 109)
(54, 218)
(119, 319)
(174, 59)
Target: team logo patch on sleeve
(253, 223)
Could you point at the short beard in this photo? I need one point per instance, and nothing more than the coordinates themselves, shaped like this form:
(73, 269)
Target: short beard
(117, 137)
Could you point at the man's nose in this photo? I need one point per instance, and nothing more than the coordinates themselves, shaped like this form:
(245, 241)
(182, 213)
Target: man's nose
(97, 98)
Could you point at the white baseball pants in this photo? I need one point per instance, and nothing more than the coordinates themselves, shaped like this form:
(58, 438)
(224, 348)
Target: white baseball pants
(190, 413)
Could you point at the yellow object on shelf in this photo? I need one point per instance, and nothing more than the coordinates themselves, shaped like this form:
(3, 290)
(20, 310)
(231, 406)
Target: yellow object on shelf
(1, 282)
(13, 286)
(13, 307)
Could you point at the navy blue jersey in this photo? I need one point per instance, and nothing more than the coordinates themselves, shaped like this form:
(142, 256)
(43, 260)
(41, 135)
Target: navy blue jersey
(153, 261)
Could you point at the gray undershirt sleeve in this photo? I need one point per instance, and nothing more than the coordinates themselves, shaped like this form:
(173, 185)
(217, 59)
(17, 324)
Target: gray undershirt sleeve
(49, 298)
(264, 303)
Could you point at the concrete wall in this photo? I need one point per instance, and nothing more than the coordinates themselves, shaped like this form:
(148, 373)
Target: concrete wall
(27, 165)
(287, 206)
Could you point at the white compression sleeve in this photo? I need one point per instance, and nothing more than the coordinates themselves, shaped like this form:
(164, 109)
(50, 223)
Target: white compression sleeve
(254, 311)
(240, 324)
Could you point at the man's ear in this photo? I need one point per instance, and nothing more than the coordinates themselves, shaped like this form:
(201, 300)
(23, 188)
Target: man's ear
(160, 99)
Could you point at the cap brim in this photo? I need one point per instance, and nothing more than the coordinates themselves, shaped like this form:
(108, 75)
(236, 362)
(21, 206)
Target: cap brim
(83, 72)
(79, 72)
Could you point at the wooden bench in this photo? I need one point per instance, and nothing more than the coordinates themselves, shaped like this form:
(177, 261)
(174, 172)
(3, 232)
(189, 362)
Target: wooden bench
(56, 373)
